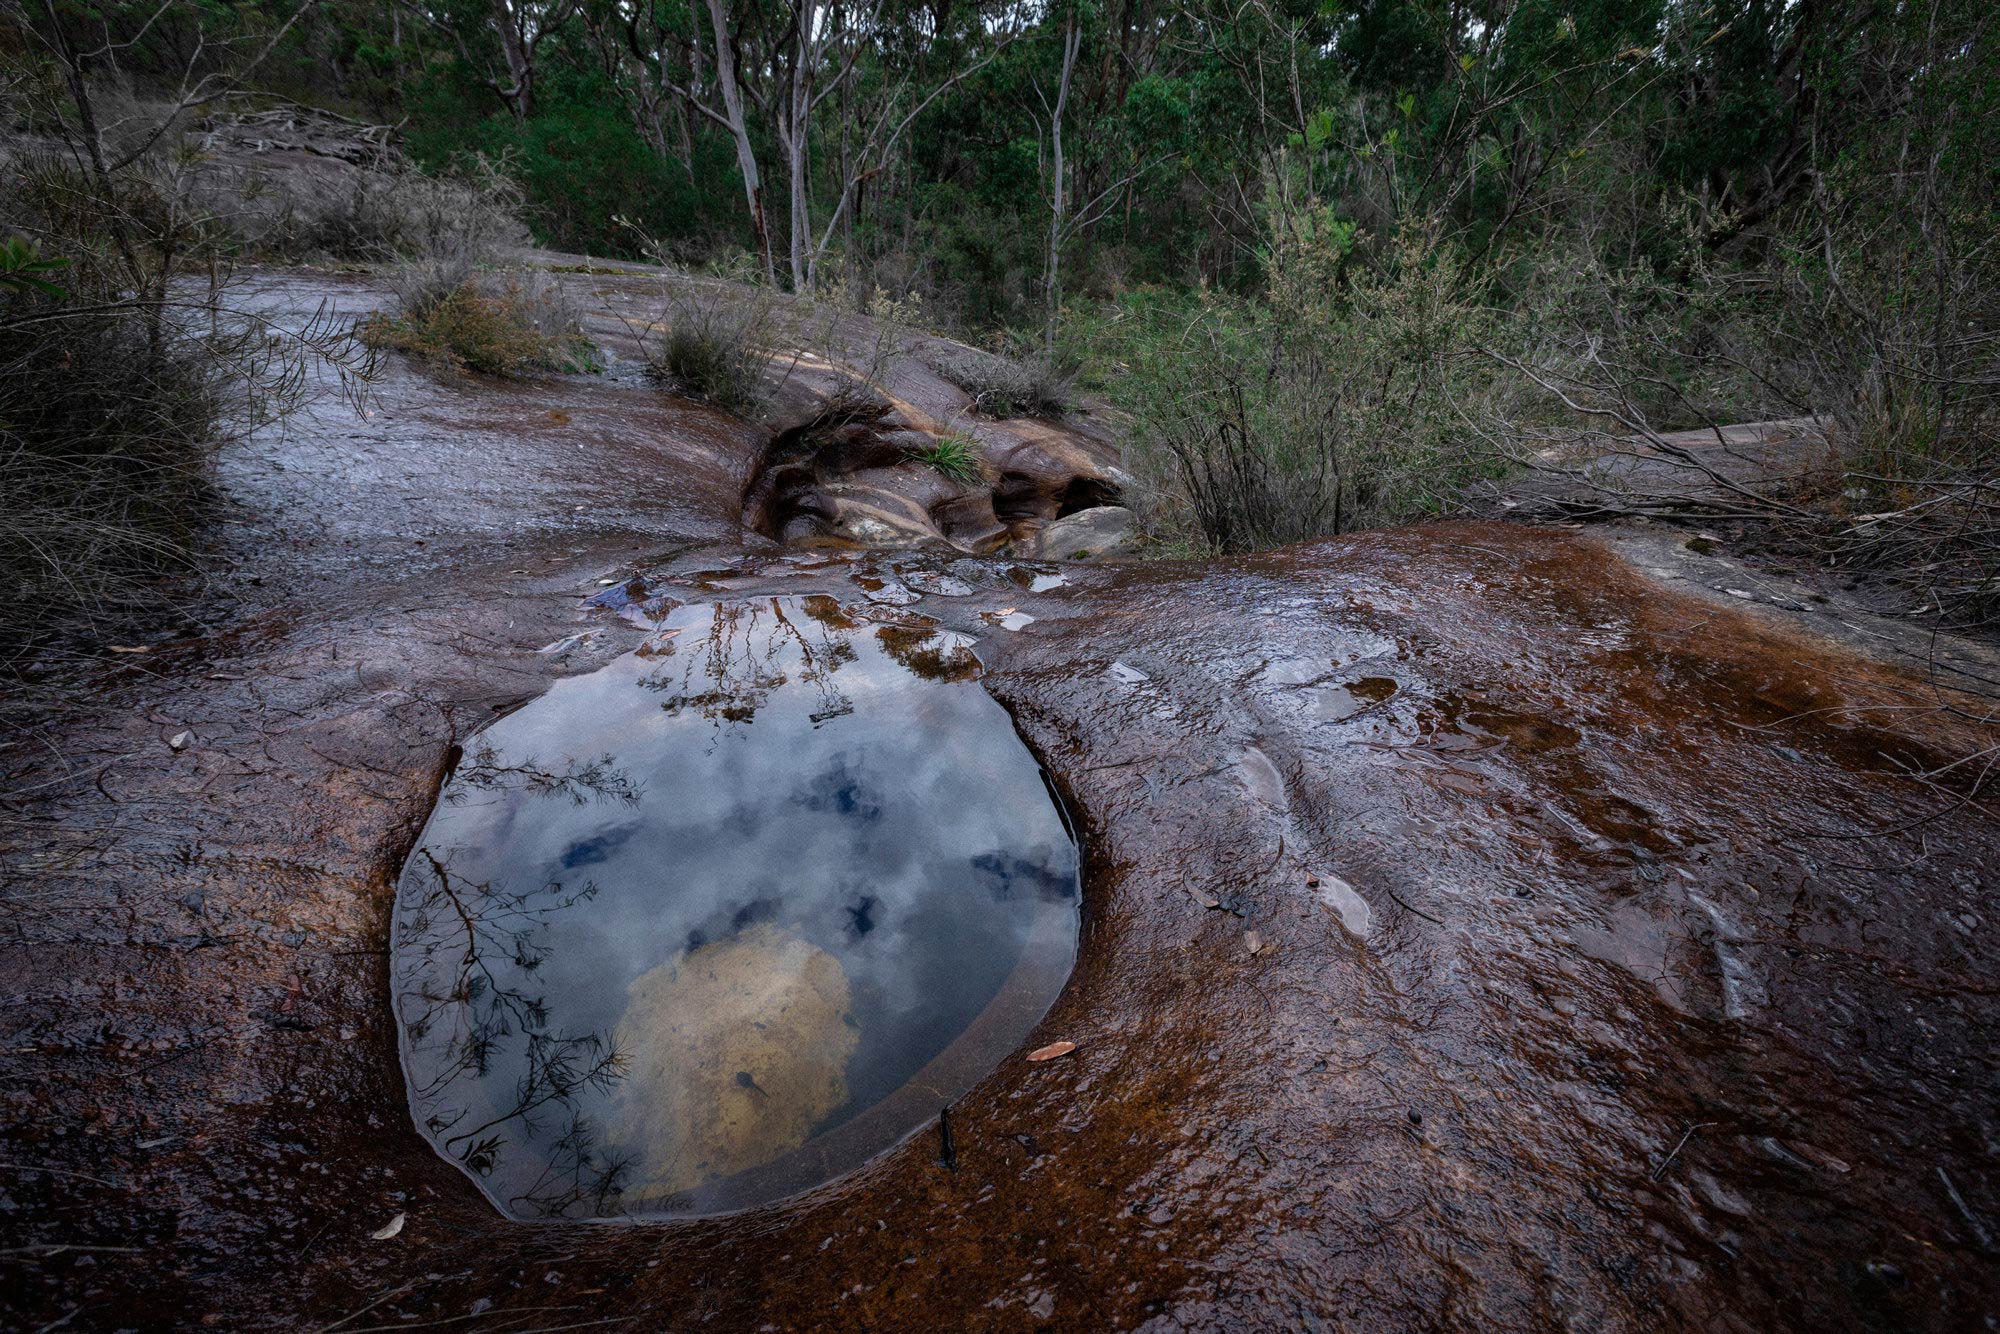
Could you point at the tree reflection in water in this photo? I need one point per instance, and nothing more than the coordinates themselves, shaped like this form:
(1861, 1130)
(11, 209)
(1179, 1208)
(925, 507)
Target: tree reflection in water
(465, 949)
(582, 781)
(739, 659)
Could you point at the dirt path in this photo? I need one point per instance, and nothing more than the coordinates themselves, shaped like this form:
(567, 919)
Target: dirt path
(1612, 975)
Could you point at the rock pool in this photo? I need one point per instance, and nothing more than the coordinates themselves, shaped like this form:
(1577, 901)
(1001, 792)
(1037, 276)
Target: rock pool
(723, 920)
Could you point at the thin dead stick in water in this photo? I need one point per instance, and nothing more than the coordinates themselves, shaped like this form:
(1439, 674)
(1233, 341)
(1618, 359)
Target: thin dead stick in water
(390, 1295)
(1675, 1152)
(1418, 911)
(487, 1317)
(582, 1324)
(1978, 1228)
(58, 1172)
(947, 1151)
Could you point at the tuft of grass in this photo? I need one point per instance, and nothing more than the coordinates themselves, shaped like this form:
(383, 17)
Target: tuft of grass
(515, 328)
(956, 456)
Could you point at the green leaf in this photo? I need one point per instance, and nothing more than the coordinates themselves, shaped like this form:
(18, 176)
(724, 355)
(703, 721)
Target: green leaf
(1319, 129)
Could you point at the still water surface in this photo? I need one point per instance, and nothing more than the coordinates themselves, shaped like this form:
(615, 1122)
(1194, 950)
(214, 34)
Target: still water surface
(726, 918)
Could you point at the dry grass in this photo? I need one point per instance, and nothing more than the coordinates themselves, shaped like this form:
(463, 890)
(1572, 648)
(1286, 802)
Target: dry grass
(1033, 386)
(509, 324)
(116, 389)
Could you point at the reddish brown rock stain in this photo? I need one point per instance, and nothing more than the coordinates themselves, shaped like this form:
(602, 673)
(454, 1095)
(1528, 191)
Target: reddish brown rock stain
(1651, 1026)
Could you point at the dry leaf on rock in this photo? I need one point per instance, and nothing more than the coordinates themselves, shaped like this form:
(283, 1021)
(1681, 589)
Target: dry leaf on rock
(1053, 1050)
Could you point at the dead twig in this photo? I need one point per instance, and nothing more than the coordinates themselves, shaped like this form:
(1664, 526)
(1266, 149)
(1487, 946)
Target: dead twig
(1679, 1144)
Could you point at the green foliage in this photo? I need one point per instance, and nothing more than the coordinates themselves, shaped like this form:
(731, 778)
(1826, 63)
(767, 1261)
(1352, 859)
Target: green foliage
(20, 261)
(581, 166)
(1331, 406)
(957, 456)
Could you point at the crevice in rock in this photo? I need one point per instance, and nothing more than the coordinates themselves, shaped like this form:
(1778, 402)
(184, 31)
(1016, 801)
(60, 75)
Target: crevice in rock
(1087, 493)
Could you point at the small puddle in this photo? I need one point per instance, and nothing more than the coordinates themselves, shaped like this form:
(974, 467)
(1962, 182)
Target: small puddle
(728, 917)
(1036, 581)
(1339, 703)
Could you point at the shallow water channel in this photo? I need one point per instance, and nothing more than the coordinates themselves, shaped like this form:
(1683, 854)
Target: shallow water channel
(723, 920)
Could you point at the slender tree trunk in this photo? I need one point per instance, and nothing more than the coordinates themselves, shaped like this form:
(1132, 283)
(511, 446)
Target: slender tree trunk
(1052, 280)
(739, 129)
(520, 63)
(798, 142)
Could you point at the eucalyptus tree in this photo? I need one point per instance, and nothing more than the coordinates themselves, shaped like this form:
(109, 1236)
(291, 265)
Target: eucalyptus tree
(769, 74)
(500, 40)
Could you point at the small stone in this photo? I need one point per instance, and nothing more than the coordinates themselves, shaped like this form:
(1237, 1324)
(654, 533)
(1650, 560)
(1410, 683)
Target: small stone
(180, 741)
(1253, 942)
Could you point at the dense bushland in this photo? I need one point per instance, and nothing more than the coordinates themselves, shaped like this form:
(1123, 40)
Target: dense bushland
(122, 368)
(1336, 259)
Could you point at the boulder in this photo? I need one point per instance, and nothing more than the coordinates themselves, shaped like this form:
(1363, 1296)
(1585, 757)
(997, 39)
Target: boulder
(1099, 531)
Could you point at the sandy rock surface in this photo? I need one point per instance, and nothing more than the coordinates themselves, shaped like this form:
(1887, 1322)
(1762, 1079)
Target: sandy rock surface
(734, 1053)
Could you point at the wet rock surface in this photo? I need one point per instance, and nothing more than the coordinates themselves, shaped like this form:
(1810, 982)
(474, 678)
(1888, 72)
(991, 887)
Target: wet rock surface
(1610, 970)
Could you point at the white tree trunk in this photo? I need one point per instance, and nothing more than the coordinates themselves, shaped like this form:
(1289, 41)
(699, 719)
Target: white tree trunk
(1052, 282)
(796, 133)
(739, 129)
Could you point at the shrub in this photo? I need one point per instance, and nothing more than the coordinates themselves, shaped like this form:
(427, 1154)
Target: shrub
(1033, 386)
(121, 374)
(104, 442)
(711, 345)
(1876, 322)
(506, 324)
(1332, 405)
